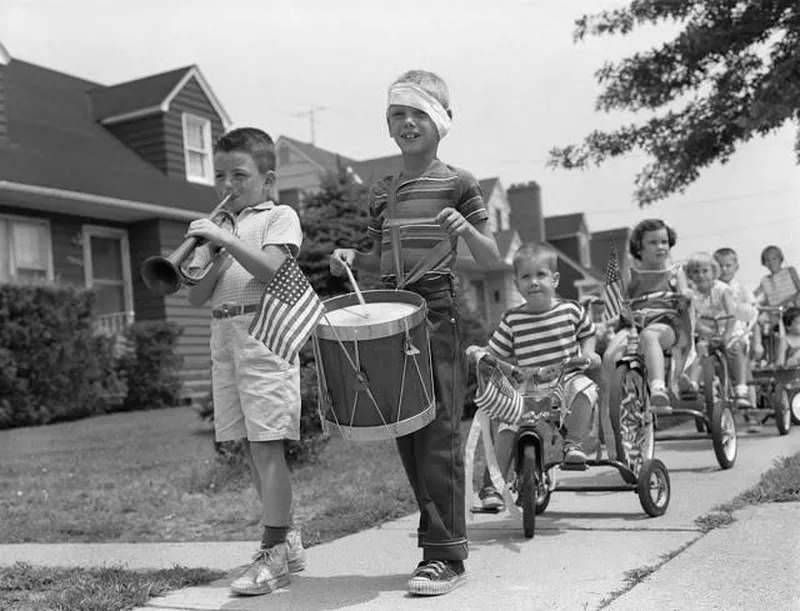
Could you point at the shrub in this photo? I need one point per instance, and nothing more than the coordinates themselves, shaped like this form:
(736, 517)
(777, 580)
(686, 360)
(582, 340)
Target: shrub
(152, 369)
(52, 366)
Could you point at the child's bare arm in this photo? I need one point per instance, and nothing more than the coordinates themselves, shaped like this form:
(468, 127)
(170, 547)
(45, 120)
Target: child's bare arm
(588, 349)
(478, 238)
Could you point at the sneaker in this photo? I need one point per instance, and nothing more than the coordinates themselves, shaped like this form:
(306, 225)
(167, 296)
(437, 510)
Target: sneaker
(268, 572)
(687, 386)
(491, 500)
(435, 577)
(573, 455)
(295, 553)
(659, 399)
(742, 398)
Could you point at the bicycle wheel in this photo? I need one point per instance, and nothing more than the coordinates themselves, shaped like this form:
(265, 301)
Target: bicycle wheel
(631, 420)
(528, 490)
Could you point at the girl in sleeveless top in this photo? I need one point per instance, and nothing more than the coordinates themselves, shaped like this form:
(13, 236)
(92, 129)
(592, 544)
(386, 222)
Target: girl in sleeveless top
(782, 285)
(650, 244)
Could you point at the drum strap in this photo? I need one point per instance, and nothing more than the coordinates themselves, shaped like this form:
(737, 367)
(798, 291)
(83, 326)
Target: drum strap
(435, 256)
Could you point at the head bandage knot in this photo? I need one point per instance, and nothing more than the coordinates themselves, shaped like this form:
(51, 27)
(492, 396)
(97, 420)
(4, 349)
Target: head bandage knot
(409, 94)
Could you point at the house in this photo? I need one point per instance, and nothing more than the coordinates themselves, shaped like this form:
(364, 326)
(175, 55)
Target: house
(602, 242)
(95, 178)
(568, 234)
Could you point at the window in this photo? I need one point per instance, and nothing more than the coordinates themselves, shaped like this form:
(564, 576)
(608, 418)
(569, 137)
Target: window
(107, 268)
(197, 149)
(25, 252)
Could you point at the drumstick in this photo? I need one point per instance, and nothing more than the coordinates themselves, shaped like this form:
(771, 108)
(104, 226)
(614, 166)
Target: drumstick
(355, 286)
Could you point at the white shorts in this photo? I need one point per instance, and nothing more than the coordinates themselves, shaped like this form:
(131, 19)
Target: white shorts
(256, 393)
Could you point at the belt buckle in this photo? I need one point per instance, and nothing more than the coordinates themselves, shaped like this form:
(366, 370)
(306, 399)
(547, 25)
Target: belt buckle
(227, 309)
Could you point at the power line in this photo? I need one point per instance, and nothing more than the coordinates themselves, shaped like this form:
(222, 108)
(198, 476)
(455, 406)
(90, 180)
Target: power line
(700, 201)
(724, 232)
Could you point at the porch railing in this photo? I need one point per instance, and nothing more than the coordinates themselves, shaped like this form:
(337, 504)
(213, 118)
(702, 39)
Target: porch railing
(113, 323)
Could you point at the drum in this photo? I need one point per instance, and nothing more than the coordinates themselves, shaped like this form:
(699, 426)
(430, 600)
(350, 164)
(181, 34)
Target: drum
(374, 365)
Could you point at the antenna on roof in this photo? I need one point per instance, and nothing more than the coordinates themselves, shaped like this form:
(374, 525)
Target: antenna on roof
(312, 119)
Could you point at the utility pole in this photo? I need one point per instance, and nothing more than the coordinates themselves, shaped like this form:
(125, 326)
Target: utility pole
(311, 113)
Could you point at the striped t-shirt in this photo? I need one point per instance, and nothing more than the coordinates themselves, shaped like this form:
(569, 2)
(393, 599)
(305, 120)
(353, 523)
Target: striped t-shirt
(417, 202)
(547, 338)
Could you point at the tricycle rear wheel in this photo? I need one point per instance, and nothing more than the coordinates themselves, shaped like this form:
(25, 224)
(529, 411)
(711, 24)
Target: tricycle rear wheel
(653, 487)
(783, 412)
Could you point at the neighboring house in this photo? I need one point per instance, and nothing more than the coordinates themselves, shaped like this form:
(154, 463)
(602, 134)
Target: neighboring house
(301, 168)
(567, 233)
(96, 178)
(601, 246)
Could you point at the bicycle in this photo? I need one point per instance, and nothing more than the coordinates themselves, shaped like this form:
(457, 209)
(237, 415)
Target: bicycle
(632, 416)
(777, 386)
(538, 450)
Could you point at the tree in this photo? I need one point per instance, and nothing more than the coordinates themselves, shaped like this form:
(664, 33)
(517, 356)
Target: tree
(335, 216)
(732, 73)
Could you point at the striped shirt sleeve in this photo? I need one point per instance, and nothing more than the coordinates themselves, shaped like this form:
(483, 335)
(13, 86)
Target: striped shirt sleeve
(470, 203)
(502, 340)
(377, 209)
(585, 327)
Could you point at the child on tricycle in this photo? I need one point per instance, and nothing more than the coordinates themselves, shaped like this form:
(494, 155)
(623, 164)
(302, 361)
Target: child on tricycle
(662, 326)
(717, 322)
(537, 337)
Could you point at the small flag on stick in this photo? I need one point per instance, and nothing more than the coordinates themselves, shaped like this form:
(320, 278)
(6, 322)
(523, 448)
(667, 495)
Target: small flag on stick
(288, 312)
(612, 291)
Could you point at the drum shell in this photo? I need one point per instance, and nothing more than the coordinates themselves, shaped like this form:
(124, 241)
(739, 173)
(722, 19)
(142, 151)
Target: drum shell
(403, 400)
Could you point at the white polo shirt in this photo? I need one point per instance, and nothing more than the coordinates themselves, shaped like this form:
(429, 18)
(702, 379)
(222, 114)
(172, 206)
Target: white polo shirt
(264, 224)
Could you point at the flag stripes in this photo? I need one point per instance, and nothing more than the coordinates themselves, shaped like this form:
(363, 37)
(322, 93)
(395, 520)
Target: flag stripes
(612, 291)
(287, 313)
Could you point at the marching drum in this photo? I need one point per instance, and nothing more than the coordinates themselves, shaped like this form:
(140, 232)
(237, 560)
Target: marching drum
(374, 365)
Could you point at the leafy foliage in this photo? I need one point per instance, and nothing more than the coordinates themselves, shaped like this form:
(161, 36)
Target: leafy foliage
(52, 366)
(333, 217)
(152, 370)
(732, 73)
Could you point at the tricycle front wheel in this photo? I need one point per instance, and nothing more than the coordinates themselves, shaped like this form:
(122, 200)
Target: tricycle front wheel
(529, 489)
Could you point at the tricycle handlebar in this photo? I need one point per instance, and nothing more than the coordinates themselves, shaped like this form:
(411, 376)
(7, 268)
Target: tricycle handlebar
(678, 298)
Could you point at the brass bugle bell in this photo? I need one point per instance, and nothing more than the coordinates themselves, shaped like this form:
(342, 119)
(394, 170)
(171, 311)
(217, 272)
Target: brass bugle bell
(166, 275)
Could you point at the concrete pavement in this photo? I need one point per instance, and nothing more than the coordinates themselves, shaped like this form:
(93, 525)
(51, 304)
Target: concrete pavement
(586, 544)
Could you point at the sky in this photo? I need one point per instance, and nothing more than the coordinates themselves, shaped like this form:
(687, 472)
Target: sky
(519, 85)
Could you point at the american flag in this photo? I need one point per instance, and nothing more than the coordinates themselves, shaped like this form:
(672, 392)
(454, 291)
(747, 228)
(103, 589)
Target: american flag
(288, 312)
(612, 292)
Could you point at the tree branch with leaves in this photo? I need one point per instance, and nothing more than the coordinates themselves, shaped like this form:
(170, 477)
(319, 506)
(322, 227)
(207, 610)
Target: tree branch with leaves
(731, 74)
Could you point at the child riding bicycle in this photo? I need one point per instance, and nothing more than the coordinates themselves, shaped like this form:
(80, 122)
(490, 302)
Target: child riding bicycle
(716, 311)
(538, 336)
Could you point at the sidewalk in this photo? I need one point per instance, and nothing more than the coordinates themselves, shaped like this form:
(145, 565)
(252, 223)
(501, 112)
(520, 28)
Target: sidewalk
(586, 544)
(752, 564)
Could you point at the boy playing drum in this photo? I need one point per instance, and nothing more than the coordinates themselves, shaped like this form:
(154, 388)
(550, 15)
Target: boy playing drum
(435, 204)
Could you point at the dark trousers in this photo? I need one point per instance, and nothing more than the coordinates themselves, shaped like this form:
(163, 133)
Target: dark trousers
(433, 456)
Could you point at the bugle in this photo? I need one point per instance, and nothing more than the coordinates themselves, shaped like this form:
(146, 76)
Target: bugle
(165, 275)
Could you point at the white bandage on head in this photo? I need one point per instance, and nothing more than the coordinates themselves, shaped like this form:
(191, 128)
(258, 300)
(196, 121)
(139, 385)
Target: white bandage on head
(409, 94)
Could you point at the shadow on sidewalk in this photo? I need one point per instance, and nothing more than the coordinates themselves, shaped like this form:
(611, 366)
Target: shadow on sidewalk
(306, 592)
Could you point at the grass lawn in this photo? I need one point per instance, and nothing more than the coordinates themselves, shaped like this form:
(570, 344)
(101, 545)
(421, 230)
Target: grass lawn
(152, 476)
(27, 588)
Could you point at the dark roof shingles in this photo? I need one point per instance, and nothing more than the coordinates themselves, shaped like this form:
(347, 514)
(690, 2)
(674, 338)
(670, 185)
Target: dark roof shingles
(55, 142)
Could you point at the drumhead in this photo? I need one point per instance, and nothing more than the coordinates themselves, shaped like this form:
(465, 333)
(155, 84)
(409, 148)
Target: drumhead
(385, 313)
(360, 315)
